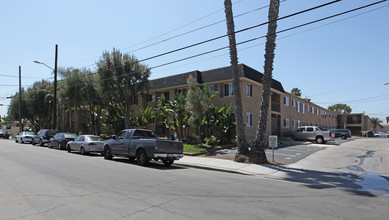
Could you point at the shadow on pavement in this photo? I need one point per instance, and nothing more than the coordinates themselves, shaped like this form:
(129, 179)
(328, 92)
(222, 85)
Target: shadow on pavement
(321, 180)
(152, 165)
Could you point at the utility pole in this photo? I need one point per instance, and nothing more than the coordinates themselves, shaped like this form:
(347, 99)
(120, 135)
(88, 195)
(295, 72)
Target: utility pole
(55, 88)
(20, 99)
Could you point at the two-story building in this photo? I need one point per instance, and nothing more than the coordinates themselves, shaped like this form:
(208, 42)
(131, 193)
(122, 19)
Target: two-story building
(286, 112)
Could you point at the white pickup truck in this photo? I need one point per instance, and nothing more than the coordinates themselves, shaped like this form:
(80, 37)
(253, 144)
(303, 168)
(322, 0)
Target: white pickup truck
(313, 133)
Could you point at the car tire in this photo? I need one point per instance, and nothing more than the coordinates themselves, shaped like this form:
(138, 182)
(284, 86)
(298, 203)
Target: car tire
(49, 145)
(320, 140)
(107, 153)
(82, 151)
(59, 146)
(41, 142)
(68, 148)
(16, 140)
(21, 140)
(33, 142)
(168, 162)
(343, 137)
(142, 158)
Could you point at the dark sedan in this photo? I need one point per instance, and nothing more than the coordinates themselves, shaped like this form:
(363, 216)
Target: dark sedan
(61, 139)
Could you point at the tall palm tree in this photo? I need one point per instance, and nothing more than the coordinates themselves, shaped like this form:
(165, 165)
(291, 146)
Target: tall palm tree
(375, 123)
(243, 152)
(258, 154)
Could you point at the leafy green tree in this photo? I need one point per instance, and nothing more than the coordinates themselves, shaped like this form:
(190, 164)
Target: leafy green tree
(243, 151)
(296, 92)
(375, 123)
(177, 109)
(144, 115)
(122, 77)
(340, 108)
(258, 154)
(199, 101)
(163, 112)
(222, 121)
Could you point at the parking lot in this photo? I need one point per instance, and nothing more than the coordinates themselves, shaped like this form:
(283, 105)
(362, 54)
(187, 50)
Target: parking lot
(286, 152)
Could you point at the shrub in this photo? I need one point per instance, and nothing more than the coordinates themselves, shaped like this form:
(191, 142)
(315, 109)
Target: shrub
(211, 140)
(193, 139)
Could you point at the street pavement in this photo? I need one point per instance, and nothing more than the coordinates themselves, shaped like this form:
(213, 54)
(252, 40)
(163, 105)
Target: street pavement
(345, 181)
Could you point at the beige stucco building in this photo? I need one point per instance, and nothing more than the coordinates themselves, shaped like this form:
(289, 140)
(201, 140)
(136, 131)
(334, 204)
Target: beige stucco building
(286, 112)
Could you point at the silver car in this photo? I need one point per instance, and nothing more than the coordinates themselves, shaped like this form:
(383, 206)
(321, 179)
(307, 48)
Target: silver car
(86, 143)
(25, 136)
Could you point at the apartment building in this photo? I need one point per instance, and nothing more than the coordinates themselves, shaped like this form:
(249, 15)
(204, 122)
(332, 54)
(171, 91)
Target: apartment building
(297, 111)
(356, 122)
(286, 112)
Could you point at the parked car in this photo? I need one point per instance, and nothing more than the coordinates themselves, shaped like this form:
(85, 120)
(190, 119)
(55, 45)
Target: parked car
(43, 136)
(342, 133)
(25, 136)
(144, 146)
(60, 140)
(382, 134)
(86, 143)
(4, 134)
(313, 133)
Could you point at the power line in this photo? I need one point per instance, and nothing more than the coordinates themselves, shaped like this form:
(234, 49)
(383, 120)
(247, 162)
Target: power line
(257, 38)
(242, 30)
(158, 36)
(200, 28)
(253, 39)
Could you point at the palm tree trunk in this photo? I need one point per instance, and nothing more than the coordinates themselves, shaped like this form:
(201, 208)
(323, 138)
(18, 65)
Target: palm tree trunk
(258, 154)
(242, 153)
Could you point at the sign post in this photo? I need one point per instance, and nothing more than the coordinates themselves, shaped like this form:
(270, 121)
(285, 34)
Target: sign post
(273, 143)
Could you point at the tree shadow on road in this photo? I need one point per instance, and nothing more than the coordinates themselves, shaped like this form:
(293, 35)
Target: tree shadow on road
(321, 179)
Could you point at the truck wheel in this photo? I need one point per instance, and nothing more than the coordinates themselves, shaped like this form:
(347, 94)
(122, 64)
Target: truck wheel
(168, 162)
(107, 153)
(343, 137)
(82, 151)
(16, 140)
(320, 140)
(41, 143)
(142, 158)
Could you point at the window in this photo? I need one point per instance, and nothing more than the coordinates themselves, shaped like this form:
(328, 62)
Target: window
(312, 109)
(293, 124)
(166, 94)
(286, 122)
(212, 89)
(298, 106)
(303, 107)
(228, 89)
(249, 119)
(293, 103)
(151, 121)
(249, 90)
(183, 91)
(151, 98)
(134, 100)
(286, 101)
(298, 123)
(309, 128)
(317, 111)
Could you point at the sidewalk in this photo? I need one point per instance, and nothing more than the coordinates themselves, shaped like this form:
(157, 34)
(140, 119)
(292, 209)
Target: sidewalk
(226, 165)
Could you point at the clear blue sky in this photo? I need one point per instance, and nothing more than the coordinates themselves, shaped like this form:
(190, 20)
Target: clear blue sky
(342, 62)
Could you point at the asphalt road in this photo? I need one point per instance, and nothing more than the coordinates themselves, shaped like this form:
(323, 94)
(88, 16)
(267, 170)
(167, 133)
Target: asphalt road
(41, 183)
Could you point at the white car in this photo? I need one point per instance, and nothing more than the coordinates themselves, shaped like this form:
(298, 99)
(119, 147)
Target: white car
(86, 143)
(25, 136)
(382, 134)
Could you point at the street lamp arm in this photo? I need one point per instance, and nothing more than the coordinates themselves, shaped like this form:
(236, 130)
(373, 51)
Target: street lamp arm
(35, 61)
(386, 84)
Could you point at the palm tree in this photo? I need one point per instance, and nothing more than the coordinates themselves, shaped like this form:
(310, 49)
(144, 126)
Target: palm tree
(258, 154)
(374, 123)
(296, 92)
(243, 152)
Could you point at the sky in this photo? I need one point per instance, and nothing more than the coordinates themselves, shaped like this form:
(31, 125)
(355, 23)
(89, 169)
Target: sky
(344, 59)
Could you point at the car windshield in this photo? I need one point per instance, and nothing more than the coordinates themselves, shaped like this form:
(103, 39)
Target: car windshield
(95, 138)
(51, 133)
(70, 135)
(144, 134)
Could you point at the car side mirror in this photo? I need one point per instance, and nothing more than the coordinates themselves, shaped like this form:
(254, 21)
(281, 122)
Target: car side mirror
(114, 137)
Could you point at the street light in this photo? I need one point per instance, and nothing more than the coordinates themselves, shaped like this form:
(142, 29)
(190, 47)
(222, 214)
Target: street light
(55, 85)
(386, 84)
